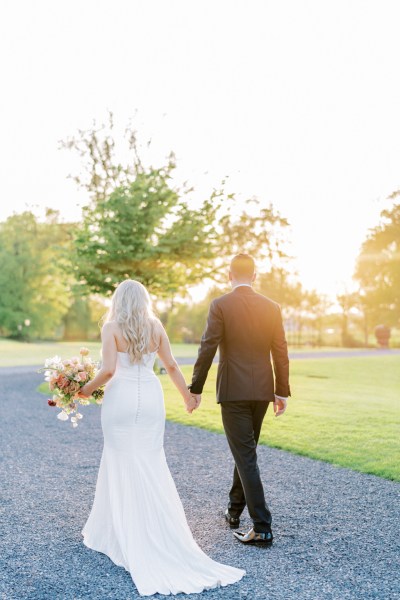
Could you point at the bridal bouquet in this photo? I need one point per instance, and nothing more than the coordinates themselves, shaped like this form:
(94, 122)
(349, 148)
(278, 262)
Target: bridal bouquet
(65, 379)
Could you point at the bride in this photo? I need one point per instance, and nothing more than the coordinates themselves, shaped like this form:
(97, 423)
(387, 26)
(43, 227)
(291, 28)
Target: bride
(137, 518)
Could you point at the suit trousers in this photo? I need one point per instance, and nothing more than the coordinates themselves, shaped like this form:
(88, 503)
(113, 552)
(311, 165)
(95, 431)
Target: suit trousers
(242, 422)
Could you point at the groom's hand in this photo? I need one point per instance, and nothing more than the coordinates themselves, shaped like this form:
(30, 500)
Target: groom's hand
(197, 398)
(280, 405)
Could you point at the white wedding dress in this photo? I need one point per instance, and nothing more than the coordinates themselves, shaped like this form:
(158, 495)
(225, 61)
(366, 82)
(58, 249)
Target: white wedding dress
(137, 518)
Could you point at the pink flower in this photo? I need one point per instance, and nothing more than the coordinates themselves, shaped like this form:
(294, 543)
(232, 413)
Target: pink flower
(82, 376)
(74, 387)
(84, 351)
(62, 382)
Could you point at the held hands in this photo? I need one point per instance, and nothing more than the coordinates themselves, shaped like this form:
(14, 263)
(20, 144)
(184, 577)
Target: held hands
(192, 402)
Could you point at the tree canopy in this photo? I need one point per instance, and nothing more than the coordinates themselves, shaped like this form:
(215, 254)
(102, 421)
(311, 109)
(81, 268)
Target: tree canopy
(378, 269)
(35, 275)
(139, 225)
(145, 231)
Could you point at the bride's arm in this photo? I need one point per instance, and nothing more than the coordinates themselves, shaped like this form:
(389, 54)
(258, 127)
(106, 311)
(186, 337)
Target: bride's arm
(173, 370)
(109, 360)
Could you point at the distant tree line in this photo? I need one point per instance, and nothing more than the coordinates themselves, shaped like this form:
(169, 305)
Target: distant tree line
(56, 276)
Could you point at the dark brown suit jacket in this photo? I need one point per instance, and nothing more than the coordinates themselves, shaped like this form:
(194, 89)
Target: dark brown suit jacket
(248, 329)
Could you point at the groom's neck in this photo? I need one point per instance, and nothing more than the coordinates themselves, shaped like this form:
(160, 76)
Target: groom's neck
(235, 283)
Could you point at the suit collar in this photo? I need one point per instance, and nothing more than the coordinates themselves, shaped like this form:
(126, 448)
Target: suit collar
(243, 289)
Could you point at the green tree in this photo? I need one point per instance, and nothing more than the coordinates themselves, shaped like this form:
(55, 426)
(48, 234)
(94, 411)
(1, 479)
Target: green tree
(35, 276)
(137, 224)
(146, 232)
(378, 270)
(84, 317)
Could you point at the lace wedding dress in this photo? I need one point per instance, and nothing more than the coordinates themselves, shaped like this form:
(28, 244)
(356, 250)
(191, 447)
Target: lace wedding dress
(137, 518)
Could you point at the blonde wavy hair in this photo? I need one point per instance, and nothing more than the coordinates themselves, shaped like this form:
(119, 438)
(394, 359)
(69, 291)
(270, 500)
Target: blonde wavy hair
(131, 309)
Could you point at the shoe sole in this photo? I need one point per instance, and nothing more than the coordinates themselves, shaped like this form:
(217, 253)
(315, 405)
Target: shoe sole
(256, 543)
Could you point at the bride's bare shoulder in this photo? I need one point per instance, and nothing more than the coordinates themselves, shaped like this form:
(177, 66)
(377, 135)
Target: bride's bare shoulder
(110, 327)
(158, 329)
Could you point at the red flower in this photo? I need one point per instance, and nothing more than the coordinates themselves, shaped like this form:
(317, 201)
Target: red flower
(51, 402)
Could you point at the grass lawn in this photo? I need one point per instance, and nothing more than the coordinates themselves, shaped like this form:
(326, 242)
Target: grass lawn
(344, 411)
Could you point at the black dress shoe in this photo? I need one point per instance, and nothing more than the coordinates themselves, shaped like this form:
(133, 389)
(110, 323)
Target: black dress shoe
(233, 522)
(254, 537)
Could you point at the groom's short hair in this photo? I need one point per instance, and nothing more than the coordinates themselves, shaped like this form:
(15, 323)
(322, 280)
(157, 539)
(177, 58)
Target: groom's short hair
(243, 266)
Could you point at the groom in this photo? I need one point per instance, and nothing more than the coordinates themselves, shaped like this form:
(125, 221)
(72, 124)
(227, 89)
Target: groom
(248, 329)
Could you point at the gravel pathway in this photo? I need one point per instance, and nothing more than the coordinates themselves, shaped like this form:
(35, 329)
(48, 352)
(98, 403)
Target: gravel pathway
(337, 531)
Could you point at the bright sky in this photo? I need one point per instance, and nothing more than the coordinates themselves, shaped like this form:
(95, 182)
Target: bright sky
(297, 102)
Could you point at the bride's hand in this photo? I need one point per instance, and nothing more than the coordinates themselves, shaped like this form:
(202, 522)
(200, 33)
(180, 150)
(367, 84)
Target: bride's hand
(83, 394)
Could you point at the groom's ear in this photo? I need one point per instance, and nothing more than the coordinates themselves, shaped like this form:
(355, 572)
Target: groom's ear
(230, 276)
(254, 276)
